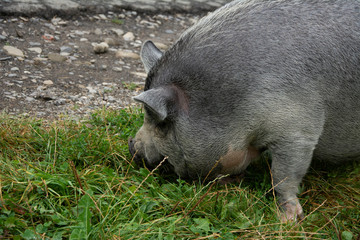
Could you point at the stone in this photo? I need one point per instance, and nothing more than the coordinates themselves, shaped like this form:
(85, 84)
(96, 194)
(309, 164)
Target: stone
(58, 21)
(29, 99)
(102, 16)
(34, 44)
(118, 31)
(60, 101)
(80, 33)
(15, 69)
(55, 57)
(117, 69)
(110, 41)
(35, 49)
(66, 49)
(48, 82)
(101, 47)
(13, 51)
(39, 61)
(91, 89)
(11, 97)
(129, 36)
(127, 54)
(110, 99)
(98, 31)
(2, 37)
(161, 45)
(139, 74)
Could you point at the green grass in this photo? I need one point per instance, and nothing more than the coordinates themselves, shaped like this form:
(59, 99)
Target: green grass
(117, 21)
(69, 179)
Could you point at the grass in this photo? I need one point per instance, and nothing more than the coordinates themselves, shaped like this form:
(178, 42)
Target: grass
(117, 21)
(131, 86)
(69, 179)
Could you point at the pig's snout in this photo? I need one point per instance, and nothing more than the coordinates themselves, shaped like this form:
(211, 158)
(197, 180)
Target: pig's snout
(138, 159)
(131, 144)
(142, 161)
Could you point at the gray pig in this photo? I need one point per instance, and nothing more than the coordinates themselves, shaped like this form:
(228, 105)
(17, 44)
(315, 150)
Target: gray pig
(254, 75)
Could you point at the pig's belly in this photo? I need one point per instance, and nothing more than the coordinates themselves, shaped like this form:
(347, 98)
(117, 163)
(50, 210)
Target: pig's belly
(340, 140)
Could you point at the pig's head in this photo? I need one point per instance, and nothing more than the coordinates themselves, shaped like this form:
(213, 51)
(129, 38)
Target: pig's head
(156, 138)
(195, 146)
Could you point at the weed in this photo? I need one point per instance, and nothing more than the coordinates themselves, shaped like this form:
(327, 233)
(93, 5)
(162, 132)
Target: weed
(131, 86)
(117, 21)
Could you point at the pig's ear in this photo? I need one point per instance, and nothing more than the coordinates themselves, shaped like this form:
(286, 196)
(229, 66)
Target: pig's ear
(156, 100)
(149, 54)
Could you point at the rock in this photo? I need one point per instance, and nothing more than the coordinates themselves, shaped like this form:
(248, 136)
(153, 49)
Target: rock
(66, 54)
(34, 44)
(39, 61)
(48, 82)
(11, 75)
(46, 96)
(127, 54)
(91, 89)
(139, 74)
(58, 21)
(102, 16)
(35, 49)
(29, 99)
(55, 57)
(110, 99)
(98, 31)
(66, 49)
(129, 36)
(103, 67)
(11, 97)
(110, 41)
(13, 51)
(136, 44)
(117, 69)
(2, 37)
(83, 40)
(118, 31)
(80, 33)
(15, 69)
(161, 45)
(60, 101)
(101, 47)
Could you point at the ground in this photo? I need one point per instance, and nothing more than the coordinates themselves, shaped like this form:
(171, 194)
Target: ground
(60, 74)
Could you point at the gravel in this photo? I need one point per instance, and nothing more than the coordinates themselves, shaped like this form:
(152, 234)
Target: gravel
(52, 68)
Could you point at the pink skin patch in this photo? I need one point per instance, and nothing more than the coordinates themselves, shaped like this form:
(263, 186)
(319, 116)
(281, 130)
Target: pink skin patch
(292, 212)
(234, 162)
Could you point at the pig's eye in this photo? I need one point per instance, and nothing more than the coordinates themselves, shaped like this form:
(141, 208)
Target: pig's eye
(162, 128)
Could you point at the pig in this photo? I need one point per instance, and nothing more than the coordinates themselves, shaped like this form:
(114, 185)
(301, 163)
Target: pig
(255, 75)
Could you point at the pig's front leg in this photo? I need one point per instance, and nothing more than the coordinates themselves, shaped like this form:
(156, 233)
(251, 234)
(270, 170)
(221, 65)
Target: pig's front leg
(290, 161)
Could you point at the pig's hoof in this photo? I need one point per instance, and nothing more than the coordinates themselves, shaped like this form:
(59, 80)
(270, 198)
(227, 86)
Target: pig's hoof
(291, 212)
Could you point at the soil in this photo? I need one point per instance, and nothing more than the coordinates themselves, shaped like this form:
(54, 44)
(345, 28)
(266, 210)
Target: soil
(68, 77)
